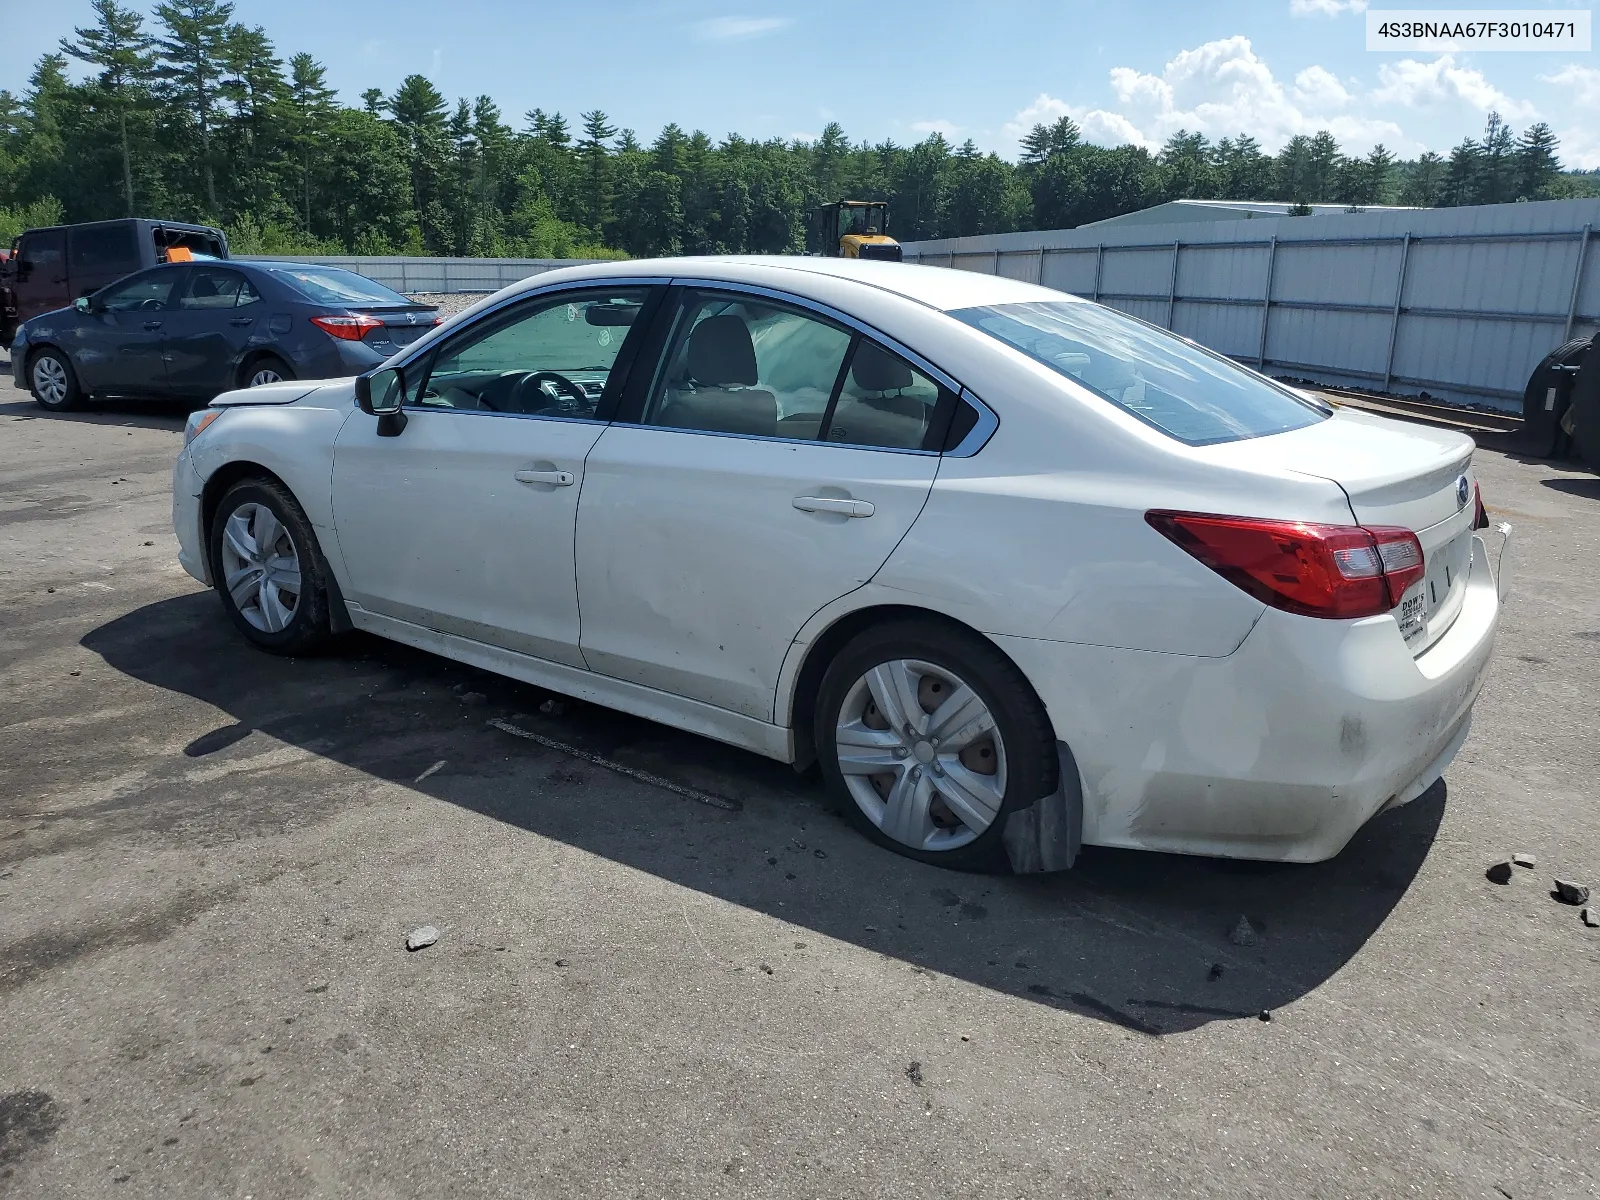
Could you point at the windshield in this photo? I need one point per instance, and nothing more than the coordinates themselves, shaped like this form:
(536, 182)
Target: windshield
(1185, 391)
(330, 285)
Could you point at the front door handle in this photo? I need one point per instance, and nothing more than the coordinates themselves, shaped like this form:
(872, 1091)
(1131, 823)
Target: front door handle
(559, 478)
(152, 325)
(832, 504)
(242, 321)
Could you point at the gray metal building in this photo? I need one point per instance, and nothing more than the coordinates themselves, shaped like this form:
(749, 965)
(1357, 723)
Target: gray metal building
(1459, 302)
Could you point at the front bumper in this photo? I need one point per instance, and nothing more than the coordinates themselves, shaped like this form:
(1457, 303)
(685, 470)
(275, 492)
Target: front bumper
(1281, 750)
(187, 487)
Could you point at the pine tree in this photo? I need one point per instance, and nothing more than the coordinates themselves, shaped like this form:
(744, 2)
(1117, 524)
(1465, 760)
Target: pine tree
(1537, 164)
(311, 105)
(121, 49)
(592, 151)
(1497, 164)
(1424, 181)
(192, 62)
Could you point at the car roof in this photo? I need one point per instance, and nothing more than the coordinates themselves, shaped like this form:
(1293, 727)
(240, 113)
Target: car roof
(936, 287)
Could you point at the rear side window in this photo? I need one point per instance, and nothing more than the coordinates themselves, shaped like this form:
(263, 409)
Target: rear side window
(104, 248)
(1185, 391)
(885, 402)
(210, 287)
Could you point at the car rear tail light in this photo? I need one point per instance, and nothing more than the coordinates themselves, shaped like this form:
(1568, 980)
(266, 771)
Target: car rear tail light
(350, 328)
(1335, 571)
(1480, 515)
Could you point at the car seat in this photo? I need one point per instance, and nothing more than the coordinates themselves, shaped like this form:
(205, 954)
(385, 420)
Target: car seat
(716, 391)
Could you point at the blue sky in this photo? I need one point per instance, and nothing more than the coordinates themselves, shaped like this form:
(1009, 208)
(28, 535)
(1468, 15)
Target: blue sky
(895, 69)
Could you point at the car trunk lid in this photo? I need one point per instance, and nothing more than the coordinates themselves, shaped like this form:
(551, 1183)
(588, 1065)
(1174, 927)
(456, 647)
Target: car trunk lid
(401, 326)
(1397, 474)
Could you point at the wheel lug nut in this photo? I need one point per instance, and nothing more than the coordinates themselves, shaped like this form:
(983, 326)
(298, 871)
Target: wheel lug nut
(899, 751)
(916, 772)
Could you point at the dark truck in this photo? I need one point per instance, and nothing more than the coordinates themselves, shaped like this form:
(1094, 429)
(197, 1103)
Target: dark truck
(50, 268)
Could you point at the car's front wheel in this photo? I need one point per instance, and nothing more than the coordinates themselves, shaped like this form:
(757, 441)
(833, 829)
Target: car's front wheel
(929, 737)
(53, 381)
(267, 568)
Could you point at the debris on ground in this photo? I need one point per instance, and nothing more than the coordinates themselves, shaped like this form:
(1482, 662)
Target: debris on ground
(1524, 860)
(474, 698)
(1571, 893)
(1266, 1015)
(1499, 873)
(1591, 917)
(431, 771)
(421, 939)
(820, 853)
(561, 962)
(766, 970)
(1215, 973)
(553, 708)
(914, 1073)
(1243, 934)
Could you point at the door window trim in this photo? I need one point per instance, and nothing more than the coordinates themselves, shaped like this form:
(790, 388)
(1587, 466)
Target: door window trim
(621, 369)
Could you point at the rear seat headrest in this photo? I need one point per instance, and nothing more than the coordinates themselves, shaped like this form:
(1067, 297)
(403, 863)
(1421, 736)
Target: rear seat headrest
(721, 353)
(876, 370)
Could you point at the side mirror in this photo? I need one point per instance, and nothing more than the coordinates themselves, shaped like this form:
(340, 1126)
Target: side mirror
(383, 394)
(82, 304)
(380, 392)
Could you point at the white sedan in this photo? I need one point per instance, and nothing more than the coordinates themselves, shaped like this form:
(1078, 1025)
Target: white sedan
(1020, 572)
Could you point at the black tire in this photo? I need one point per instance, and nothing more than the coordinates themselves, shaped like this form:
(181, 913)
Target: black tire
(307, 627)
(73, 397)
(1031, 763)
(264, 362)
(1546, 398)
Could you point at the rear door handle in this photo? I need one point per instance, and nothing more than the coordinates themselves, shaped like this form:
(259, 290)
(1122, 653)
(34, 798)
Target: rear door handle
(242, 321)
(152, 324)
(832, 504)
(559, 478)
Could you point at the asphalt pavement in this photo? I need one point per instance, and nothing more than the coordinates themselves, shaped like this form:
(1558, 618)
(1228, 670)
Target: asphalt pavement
(210, 860)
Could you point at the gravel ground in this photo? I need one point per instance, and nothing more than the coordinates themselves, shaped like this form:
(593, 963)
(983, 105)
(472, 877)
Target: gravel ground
(210, 861)
(450, 303)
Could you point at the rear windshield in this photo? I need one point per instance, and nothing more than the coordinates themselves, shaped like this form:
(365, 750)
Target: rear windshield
(330, 285)
(1183, 390)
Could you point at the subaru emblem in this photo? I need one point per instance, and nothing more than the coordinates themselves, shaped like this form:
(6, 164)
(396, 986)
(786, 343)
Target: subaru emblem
(1463, 492)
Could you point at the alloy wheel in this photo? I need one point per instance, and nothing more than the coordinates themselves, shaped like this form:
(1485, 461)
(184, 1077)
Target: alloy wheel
(50, 379)
(265, 375)
(261, 567)
(921, 755)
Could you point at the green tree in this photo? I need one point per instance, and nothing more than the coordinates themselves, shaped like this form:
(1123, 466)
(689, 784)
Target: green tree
(596, 160)
(1537, 164)
(118, 45)
(310, 107)
(193, 62)
(420, 113)
(1497, 164)
(1423, 181)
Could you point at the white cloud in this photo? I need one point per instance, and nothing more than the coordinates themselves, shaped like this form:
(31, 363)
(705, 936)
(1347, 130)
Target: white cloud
(949, 130)
(1220, 89)
(1441, 82)
(1320, 87)
(733, 29)
(1583, 82)
(1325, 8)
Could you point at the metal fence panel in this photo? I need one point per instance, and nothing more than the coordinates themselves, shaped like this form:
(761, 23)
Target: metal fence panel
(1459, 302)
(418, 274)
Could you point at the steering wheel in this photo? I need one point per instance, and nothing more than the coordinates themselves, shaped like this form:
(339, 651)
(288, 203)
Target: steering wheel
(151, 304)
(574, 400)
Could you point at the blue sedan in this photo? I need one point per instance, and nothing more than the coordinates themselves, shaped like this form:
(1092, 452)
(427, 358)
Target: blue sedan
(192, 330)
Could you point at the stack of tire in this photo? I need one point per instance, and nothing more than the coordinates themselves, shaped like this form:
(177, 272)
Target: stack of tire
(1561, 405)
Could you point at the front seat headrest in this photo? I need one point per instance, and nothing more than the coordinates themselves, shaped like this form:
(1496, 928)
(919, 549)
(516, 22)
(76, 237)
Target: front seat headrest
(721, 353)
(876, 370)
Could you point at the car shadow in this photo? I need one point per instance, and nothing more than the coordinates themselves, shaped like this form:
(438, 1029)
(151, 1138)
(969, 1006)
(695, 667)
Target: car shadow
(1587, 487)
(135, 414)
(1137, 939)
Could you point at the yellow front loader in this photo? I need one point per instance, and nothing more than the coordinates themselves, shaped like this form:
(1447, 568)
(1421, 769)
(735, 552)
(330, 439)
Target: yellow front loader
(857, 229)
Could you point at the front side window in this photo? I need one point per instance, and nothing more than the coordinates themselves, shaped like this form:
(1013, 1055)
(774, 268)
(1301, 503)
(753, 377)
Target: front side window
(42, 254)
(151, 291)
(553, 360)
(744, 365)
(104, 248)
(1185, 391)
(210, 287)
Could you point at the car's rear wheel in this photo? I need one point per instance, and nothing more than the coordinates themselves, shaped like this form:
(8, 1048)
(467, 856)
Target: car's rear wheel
(268, 368)
(267, 568)
(929, 738)
(53, 381)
